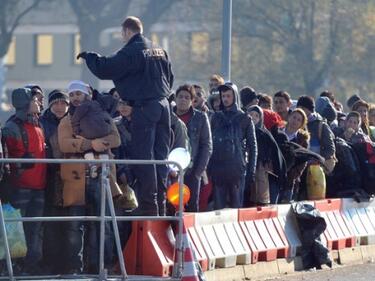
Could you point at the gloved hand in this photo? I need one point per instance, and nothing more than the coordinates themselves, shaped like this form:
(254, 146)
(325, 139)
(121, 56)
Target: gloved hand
(82, 55)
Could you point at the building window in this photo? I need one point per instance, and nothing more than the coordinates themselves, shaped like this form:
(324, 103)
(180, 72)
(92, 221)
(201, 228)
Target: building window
(44, 49)
(155, 38)
(77, 48)
(10, 57)
(199, 46)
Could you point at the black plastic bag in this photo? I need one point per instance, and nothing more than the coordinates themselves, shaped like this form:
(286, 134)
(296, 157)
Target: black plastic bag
(311, 225)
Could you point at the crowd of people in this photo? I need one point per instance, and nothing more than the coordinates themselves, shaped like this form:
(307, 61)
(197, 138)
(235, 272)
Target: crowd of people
(247, 149)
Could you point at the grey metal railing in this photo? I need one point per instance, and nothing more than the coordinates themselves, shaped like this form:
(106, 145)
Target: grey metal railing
(105, 194)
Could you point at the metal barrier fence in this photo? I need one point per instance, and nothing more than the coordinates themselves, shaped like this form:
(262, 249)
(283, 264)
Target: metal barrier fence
(105, 193)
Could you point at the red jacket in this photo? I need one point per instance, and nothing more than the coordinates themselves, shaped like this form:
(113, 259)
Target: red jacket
(32, 178)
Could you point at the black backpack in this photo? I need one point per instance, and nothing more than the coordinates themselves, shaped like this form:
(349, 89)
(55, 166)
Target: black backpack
(347, 173)
(228, 159)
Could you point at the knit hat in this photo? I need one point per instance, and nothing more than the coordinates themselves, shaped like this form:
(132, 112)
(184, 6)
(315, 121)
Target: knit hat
(21, 98)
(352, 100)
(247, 95)
(272, 119)
(77, 85)
(306, 102)
(56, 96)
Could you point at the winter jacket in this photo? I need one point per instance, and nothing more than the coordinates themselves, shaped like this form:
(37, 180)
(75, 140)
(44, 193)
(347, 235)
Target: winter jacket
(233, 120)
(54, 188)
(29, 176)
(91, 121)
(269, 153)
(73, 175)
(180, 133)
(124, 150)
(200, 140)
(323, 145)
(140, 70)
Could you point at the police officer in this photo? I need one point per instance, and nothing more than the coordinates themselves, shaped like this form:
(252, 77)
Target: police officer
(142, 75)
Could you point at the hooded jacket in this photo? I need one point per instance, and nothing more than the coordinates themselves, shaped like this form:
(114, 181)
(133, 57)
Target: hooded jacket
(28, 176)
(268, 149)
(140, 70)
(234, 120)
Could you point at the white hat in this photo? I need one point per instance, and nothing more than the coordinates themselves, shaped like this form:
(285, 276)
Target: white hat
(77, 85)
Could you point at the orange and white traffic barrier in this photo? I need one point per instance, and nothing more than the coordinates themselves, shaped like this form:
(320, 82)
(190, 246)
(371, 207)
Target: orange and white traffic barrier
(149, 250)
(360, 217)
(219, 235)
(338, 235)
(264, 233)
(191, 268)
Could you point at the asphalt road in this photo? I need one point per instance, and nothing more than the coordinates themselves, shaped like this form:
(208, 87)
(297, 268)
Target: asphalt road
(362, 272)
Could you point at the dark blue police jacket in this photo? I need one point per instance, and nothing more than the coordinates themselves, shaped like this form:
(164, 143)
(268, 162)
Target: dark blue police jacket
(141, 70)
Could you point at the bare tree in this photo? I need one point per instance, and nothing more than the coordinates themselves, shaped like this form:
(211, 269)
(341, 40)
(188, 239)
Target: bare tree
(11, 13)
(308, 30)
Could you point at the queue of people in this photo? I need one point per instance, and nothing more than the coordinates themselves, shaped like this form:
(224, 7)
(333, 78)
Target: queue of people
(247, 149)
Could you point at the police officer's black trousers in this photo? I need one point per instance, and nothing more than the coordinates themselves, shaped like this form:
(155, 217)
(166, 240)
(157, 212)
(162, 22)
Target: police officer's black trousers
(150, 131)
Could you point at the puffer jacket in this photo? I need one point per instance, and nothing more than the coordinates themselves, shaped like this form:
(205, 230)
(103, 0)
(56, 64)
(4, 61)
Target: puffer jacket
(29, 176)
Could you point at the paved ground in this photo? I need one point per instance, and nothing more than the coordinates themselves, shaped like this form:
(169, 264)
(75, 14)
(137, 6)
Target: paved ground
(362, 272)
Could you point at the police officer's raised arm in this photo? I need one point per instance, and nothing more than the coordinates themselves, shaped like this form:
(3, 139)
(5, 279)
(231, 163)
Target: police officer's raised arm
(108, 68)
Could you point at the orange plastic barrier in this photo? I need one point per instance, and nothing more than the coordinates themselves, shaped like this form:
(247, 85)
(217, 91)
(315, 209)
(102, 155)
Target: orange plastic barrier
(338, 234)
(148, 250)
(265, 235)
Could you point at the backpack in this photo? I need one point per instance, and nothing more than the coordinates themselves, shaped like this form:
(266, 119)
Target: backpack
(329, 164)
(347, 172)
(366, 156)
(227, 160)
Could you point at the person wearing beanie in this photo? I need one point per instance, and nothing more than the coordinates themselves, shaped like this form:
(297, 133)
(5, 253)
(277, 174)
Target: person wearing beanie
(89, 119)
(24, 138)
(233, 136)
(321, 135)
(248, 97)
(58, 103)
(80, 185)
(272, 120)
